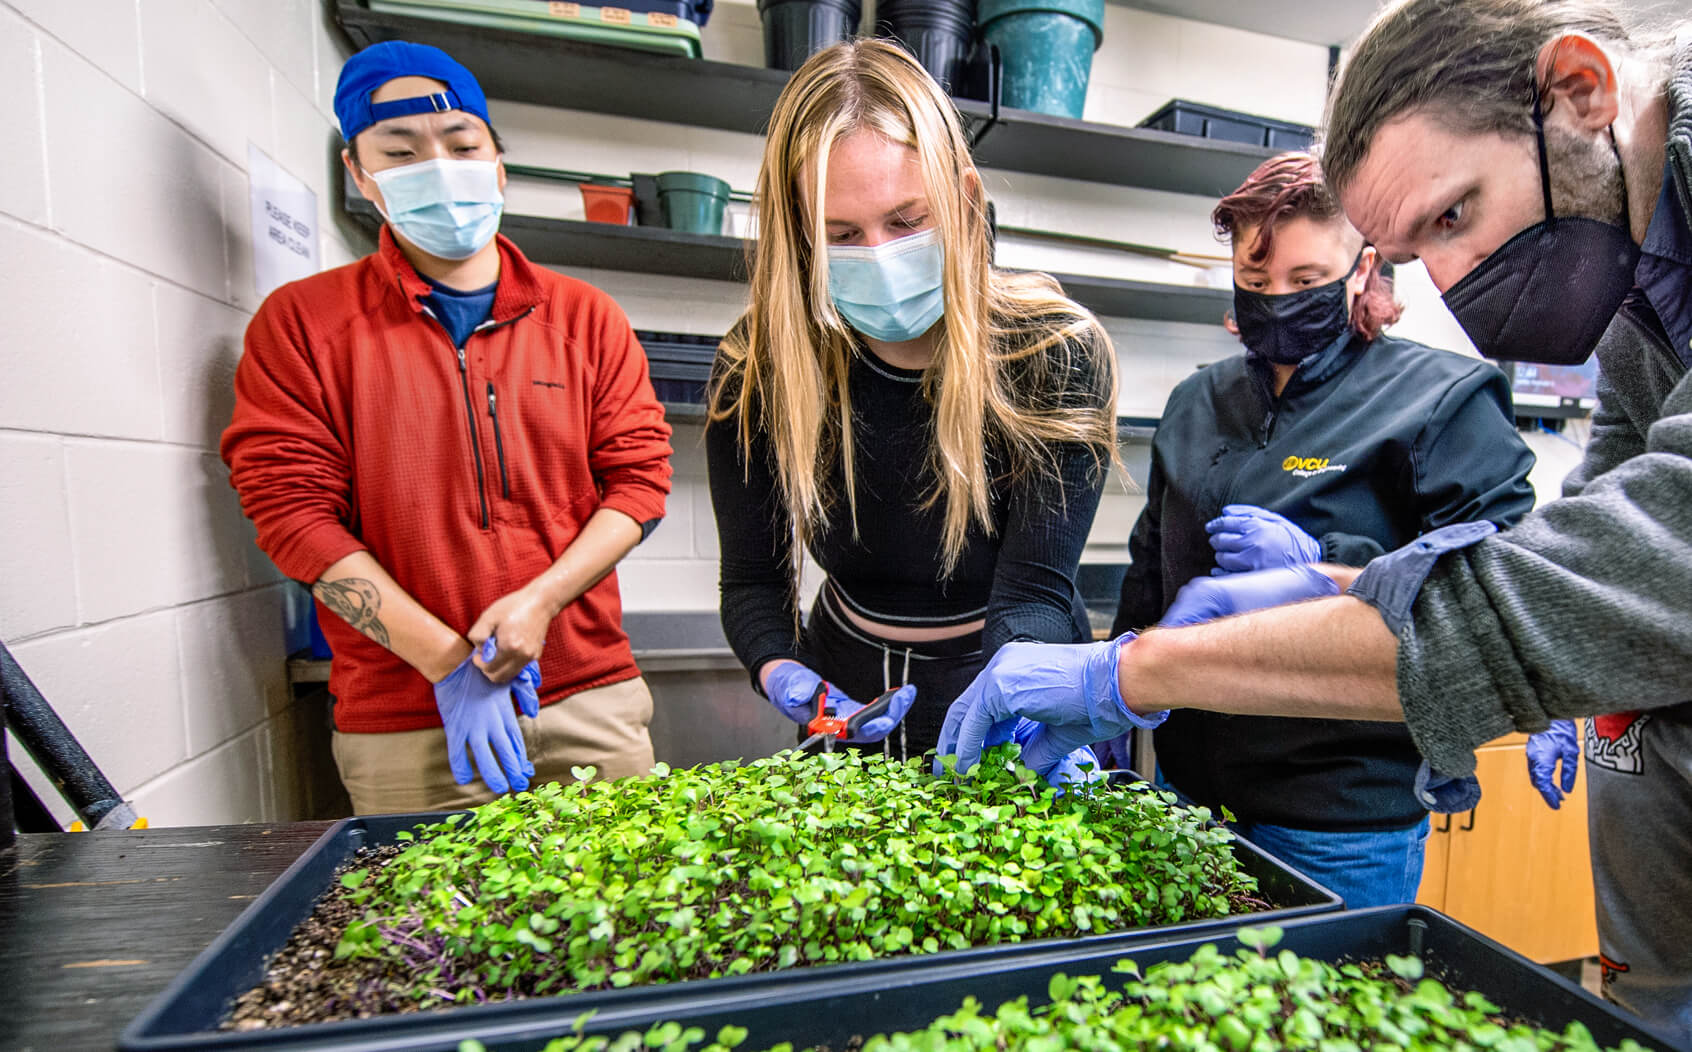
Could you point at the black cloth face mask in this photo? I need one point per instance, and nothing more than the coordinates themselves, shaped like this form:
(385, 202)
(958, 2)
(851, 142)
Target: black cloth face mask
(1547, 294)
(1289, 328)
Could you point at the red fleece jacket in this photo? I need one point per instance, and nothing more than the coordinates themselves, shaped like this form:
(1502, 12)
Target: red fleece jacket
(359, 426)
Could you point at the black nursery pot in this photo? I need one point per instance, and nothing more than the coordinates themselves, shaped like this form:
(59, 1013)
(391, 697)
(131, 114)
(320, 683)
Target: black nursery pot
(796, 29)
(940, 33)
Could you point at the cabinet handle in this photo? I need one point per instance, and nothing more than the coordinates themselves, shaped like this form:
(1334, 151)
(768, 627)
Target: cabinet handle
(1469, 824)
(1446, 828)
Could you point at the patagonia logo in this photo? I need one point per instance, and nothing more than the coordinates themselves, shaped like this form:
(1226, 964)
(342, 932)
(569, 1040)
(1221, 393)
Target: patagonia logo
(1306, 467)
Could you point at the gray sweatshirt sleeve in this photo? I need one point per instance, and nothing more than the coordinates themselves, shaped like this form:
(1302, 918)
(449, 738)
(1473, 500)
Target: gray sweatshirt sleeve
(1614, 439)
(1636, 374)
(1581, 609)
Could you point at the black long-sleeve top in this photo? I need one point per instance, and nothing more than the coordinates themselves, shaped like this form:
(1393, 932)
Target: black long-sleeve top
(1020, 578)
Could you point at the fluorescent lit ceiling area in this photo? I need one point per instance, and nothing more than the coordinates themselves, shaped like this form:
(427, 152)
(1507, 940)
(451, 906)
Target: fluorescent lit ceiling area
(1327, 22)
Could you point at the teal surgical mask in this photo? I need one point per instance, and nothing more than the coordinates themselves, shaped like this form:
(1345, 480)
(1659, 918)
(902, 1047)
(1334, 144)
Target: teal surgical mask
(447, 208)
(891, 291)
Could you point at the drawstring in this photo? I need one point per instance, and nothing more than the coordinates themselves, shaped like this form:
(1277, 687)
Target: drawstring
(887, 685)
(886, 679)
(904, 754)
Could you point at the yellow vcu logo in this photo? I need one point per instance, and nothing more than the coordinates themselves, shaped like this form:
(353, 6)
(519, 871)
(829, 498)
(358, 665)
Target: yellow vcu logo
(1304, 463)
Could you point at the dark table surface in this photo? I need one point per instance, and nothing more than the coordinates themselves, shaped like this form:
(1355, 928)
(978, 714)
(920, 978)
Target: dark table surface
(94, 925)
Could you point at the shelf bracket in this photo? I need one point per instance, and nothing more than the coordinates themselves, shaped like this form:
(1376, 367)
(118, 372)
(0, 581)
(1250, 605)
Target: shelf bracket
(995, 77)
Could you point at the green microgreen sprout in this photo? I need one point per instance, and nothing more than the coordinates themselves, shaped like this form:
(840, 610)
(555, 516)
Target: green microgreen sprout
(782, 862)
(1248, 1001)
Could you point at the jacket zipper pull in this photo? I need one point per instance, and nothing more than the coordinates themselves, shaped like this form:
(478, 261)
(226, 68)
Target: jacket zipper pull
(1268, 429)
(499, 442)
(475, 444)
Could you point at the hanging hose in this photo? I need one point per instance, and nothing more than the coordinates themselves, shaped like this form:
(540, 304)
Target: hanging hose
(60, 756)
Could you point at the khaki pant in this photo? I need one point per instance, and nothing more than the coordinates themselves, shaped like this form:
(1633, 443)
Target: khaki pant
(405, 771)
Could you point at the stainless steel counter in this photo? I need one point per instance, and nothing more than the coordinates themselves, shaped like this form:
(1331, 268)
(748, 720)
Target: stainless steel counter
(704, 709)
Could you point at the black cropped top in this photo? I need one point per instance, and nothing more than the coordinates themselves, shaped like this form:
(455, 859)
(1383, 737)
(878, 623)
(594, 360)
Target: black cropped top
(1020, 578)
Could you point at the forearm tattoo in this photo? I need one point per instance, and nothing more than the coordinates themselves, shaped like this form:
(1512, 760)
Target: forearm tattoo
(357, 602)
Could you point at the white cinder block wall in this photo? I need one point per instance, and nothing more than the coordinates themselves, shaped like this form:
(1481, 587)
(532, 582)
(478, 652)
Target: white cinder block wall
(135, 597)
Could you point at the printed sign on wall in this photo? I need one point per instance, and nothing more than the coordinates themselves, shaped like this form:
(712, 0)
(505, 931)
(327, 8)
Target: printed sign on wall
(284, 224)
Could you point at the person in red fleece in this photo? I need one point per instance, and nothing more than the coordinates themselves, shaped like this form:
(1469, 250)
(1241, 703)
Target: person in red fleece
(454, 448)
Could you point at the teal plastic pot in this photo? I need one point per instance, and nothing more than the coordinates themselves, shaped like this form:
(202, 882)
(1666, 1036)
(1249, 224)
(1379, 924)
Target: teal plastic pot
(692, 202)
(1046, 47)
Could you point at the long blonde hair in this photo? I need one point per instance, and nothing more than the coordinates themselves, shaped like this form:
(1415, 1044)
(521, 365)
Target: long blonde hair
(782, 371)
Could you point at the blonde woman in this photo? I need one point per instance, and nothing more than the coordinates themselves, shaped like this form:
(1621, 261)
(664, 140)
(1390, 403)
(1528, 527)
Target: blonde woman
(935, 433)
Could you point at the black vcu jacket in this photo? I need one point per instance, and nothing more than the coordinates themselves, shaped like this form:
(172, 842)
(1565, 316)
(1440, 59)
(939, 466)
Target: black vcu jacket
(1369, 446)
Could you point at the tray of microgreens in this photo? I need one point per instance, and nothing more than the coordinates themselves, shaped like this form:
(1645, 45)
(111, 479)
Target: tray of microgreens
(714, 878)
(1399, 977)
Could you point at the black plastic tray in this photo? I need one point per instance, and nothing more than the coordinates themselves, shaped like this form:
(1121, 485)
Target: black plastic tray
(679, 364)
(831, 1013)
(186, 1014)
(1214, 122)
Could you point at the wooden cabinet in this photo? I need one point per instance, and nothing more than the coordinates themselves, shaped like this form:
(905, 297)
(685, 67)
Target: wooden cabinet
(1513, 868)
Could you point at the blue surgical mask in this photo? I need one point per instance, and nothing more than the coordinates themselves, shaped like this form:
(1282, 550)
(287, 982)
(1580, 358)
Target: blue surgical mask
(891, 291)
(447, 208)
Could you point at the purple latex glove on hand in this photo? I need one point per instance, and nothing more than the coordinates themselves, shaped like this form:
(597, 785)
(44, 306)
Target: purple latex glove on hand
(1072, 689)
(792, 688)
(1078, 768)
(526, 689)
(1248, 538)
(480, 722)
(1556, 742)
(1208, 598)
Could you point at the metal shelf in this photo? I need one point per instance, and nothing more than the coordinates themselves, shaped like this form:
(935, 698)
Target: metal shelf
(1041, 144)
(549, 71)
(644, 249)
(1153, 300)
(684, 412)
(653, 250)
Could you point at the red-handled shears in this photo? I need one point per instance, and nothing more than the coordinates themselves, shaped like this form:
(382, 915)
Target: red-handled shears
(827, 728)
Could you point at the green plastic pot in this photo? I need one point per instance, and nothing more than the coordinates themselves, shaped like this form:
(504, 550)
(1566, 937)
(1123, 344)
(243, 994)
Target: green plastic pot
(1046, 47)
(692, 202)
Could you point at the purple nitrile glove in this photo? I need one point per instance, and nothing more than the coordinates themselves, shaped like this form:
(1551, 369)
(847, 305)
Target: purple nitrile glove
(526, 689)
(1556, 742)
(1072, 689)
(1208, 598)
(792, 689)
(480, 722)
(1078, 768)
(1247, 538)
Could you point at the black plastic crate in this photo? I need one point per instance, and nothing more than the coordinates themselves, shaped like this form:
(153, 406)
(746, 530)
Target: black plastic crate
(679, 364)
(832, 1013)
(1214, 122)
(186, 1014)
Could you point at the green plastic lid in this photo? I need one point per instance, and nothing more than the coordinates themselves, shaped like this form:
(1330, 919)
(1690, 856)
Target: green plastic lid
(1091, 12)
(526, 16)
